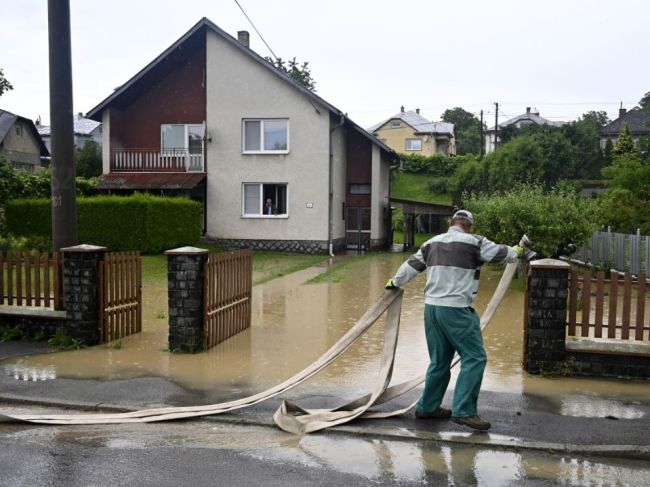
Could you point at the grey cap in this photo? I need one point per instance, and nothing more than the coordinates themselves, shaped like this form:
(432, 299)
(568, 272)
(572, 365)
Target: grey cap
(465, 215)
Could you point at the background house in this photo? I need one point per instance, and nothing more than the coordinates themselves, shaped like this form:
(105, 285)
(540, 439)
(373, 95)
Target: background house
(84, 129)
(531, 116)
(212, 119)
(637, 121)
(410, 133)
(20, 143)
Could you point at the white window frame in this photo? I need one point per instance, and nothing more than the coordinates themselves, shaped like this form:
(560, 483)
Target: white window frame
(261, 149)
(261, 207)
(413, 140)
(186, 138)
(396, 124)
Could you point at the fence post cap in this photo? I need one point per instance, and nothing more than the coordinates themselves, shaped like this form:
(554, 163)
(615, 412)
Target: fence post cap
(186, 251)
(84, 248)
(549, 264)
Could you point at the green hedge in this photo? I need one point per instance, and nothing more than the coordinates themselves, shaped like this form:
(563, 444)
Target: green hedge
(141, 222)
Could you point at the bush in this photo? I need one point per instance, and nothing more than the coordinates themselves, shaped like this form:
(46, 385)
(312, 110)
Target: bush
(149, 224)
(554, 220)
(437, 164)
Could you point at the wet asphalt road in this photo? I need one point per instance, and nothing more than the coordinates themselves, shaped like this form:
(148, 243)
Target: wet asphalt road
(207, 453)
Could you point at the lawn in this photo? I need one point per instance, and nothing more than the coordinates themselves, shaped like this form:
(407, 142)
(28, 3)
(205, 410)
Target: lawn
(266, 265)
(415, 187)
(420, 238)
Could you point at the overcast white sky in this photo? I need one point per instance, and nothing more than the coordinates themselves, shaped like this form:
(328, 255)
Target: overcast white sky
(564, 57)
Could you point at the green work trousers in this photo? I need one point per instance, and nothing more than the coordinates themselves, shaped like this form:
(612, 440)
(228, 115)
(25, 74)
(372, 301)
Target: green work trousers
(447, 330)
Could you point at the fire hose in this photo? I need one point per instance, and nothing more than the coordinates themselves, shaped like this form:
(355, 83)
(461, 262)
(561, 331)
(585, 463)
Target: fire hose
(291, 417)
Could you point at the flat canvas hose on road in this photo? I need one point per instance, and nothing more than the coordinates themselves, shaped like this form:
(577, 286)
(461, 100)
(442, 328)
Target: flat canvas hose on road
(290, 417)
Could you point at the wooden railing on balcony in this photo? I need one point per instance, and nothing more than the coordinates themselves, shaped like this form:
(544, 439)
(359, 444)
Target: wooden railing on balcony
(155, 160)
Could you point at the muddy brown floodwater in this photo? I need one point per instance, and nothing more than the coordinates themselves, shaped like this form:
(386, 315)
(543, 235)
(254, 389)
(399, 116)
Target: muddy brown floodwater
(293, 323)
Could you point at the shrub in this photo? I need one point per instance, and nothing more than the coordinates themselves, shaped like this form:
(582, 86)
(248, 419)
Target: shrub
(437, 164)
(146, 223)
(554, 220)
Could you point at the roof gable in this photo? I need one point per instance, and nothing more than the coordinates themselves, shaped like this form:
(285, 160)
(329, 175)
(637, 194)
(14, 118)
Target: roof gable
(8, 119)
(194, 39)
(636, 120)
(418, 123)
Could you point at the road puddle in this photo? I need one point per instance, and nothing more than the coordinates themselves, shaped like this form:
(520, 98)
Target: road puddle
(391, 462)
(293, 323)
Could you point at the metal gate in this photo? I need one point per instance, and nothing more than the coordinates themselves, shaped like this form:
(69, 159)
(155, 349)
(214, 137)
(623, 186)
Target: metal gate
(227, 289)
(357, 228)
(120, 295)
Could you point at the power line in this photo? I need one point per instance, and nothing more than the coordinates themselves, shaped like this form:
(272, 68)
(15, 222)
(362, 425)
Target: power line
(258, 32)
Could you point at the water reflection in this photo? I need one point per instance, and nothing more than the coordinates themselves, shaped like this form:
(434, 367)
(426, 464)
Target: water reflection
(30, 373)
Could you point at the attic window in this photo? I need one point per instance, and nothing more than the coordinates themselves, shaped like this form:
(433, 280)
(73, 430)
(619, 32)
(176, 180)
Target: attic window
(395, 124)
(18, 130)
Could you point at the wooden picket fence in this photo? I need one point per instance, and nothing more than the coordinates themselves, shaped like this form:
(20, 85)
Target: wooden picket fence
(30, 278)
(611, 308)
(227, 288)
(120, 295)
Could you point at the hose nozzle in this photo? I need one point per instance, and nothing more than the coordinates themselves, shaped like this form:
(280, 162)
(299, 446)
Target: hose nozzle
(529, 253)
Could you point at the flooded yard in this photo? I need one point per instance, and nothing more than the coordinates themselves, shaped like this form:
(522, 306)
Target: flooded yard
(294, 322)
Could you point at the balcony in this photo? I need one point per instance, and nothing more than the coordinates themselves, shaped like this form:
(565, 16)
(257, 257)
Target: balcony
(156, 160)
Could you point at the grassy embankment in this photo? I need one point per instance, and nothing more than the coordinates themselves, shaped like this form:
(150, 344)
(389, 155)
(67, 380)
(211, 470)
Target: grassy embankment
(415, 187)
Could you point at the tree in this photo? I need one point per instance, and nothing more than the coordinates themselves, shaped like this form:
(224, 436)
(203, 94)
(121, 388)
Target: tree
(624, 146)
(644, 102)
(558, 154)
(4, 83)
(585, 138)
(555, 220)
(299, 72)
(468, 130)
(89, 160)
(519, 161)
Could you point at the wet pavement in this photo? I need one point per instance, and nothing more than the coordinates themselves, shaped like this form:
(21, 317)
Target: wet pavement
(205, 453)
(294, 322)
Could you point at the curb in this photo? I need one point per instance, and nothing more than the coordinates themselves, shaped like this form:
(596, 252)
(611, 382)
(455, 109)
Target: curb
(473, 439)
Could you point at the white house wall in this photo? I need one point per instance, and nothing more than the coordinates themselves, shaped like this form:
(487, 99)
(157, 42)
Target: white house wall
(379, 198)
(339, 161)
(239, 87)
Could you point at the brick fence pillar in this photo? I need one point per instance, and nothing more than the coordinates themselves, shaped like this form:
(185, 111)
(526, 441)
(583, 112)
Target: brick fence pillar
(81, 291)
(547, 311)
(185, 294)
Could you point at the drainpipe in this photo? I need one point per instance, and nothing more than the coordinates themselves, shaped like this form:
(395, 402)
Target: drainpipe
(330, 228)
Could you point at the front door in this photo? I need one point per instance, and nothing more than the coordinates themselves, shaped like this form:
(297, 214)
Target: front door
(357, 228)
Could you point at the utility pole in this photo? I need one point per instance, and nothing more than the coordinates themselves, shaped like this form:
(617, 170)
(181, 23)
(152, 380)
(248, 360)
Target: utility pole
(482, 146)
(496, 125)
(64, 203)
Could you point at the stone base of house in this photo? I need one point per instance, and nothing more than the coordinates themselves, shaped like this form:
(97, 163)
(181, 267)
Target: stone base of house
(312, 247)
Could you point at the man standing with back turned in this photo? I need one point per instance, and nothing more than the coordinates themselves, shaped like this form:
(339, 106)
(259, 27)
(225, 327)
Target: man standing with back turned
(453, 261)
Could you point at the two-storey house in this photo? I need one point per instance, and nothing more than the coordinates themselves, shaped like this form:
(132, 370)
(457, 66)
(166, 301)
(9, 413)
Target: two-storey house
(275, 165)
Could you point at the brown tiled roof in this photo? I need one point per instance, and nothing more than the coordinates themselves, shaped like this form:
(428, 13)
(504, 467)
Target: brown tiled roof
(149, 181)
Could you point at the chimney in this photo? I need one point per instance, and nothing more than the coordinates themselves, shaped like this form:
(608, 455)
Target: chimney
(417, 110)
(527, 109)
(621, 111)
(81, 115)
(401, 109)
(244, 38)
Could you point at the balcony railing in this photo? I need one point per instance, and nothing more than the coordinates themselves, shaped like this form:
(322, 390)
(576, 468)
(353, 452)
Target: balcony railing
(155, 160)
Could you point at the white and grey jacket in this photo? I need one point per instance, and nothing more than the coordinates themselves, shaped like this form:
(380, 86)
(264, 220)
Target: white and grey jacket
(453, 263)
